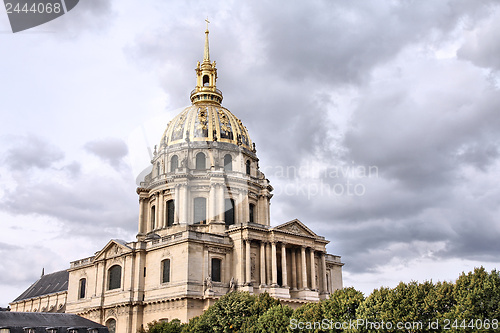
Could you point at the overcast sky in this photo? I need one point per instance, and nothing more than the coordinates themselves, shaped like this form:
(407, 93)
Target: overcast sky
(377, 123)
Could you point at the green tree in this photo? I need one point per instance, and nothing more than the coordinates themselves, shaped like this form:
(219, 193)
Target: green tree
(308, 314)
(228, 314)
(341, 307)
(173, 326)
(275, 320)
(262, 303)
(477, 296)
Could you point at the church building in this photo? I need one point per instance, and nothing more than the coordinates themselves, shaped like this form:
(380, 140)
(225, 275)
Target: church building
(204, 230)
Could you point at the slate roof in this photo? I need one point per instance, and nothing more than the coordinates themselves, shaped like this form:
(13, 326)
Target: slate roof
(15, 321)
(47, 284)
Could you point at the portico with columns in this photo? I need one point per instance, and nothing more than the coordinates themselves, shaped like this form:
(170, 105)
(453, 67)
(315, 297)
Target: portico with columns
(288, 261)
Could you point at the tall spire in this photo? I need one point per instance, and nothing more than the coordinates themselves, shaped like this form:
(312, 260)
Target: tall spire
(206, 56)
(206, 77)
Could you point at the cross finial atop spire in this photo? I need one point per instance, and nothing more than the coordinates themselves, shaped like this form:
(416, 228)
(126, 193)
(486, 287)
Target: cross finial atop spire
(206, 56)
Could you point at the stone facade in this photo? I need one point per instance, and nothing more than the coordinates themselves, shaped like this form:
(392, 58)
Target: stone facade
(204, 230)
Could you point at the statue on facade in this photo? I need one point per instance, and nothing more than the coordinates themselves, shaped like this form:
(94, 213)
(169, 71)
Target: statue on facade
(208, 283)
(232, 284)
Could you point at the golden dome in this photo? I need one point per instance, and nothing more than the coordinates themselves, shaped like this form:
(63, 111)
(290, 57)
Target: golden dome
(206, 122)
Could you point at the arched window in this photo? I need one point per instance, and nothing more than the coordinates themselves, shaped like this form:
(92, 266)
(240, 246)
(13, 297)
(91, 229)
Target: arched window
(200, 161)
(165, 271)
(170, 213)
(229, 211)
(251, 211)
(153, 217)
(174, 163)
(228, 163)
(248, 167)
(200, 210)
(216, 266)
(111, 325)
(82, 287)
(206, 80)
(114, 277)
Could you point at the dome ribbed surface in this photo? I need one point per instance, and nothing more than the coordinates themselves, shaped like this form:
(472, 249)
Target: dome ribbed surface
(206, 122)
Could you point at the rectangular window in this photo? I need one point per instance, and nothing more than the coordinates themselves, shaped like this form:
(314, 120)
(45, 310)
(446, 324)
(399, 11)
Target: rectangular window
(200, 210)
(170, 212)
(165, 271)
(216, 265)
(83, 285)
(251, 212)
(229, 211)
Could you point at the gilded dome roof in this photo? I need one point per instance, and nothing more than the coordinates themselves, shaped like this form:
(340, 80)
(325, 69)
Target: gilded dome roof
(206, 122)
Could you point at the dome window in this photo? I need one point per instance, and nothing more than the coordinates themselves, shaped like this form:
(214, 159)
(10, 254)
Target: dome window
(206, 80)
(153, 217)
(174, 163)
(228, 163)
(251, 211)
(200, 210)
(248, 167)
(170, 212)
(200, 161)
(229, 211)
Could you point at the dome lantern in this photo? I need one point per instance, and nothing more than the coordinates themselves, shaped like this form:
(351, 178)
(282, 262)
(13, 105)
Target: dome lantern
(206, 77)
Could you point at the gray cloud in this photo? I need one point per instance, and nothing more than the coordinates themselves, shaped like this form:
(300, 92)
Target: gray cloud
(30, 151)
(111, 150)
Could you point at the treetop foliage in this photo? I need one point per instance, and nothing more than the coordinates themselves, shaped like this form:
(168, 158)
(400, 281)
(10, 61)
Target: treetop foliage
(471, 304)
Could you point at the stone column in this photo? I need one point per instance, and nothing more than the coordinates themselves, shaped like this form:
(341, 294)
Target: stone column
(157, 209)
(185, 204)
(294, 270)
(211, 204)
(262, 264)
(160, 223)
(304, 268)
(176, 204)
(284, 284)
(246, 214)
(323, 272)
(239, 216)
(274, 268)
(248, 260)
(220, 200)
(268, 263)
(141, 216)
(313, 270)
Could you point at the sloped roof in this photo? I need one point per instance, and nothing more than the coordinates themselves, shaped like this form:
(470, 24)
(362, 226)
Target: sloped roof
(47, 284)
(60, 320)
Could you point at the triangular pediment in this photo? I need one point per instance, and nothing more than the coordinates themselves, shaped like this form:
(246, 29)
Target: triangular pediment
(295, 227)
(114, 248)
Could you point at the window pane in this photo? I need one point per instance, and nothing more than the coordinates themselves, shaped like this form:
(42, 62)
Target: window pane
(228, 163)
(170, 212)
(216, 270)
(83, 283)
(251, 212)
(153, 217)
(111, 324)
(166, 271)
(200, 161)
(248, 167)
(174, 163)
(200, 210)
(115, 277)
(229, 211)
